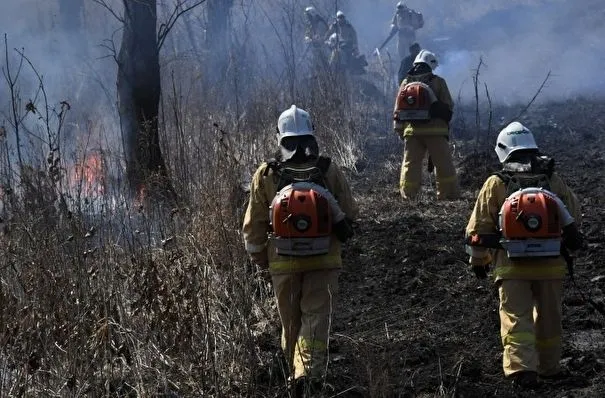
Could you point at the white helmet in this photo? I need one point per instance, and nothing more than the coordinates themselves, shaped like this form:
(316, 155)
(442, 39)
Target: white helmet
(514, 137)
(294, 122)
(311, 10)
(428, 58)
(400, 5)
(340, 15)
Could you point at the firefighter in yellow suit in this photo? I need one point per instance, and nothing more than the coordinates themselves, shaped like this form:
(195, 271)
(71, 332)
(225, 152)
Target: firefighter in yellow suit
(431, 135)
(530, 289)
(305, 287)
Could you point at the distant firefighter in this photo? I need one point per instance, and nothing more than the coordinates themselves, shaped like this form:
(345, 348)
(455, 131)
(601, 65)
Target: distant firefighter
(405, 22)
(423, 110)
(342, 39)
(408, 62)
(315, 26)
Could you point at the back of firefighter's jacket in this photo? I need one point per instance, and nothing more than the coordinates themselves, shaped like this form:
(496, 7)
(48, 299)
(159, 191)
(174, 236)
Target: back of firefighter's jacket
(435, 126)
(484, 220)
(256, 227)
(407, 21)
(347, 36)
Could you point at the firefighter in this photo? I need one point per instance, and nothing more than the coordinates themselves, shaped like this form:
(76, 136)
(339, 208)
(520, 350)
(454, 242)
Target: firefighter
(429, 134)
(305, 282)
(405, 23)
(342, 39)
(315, 27)
(408, 62)
(530, 288)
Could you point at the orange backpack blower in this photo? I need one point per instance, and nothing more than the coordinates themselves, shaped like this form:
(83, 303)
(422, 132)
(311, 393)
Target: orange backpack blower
(531, 223)
(302, 216)
(413, 102)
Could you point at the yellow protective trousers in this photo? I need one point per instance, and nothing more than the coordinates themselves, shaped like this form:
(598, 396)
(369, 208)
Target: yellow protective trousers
(438, 148)
(530, 325)
(305, 301)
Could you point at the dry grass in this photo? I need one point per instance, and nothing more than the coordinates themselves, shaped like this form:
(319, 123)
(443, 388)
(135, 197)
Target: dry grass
(107, 295)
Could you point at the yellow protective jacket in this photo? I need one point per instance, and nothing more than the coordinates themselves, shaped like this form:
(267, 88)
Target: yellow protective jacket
(263, 189)
(407, 21)
(315, 29)
(484, 220)
(346, 32)
(434, 126)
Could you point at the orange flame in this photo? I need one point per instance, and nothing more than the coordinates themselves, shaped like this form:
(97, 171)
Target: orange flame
(88, 176)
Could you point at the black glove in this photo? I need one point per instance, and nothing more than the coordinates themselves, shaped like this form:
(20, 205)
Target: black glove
(481, 271)
(344, 229)
(572, 237)
(441, 110)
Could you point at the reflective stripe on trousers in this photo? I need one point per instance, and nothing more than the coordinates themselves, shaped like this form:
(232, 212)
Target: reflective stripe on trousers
(305, 301)
(530, 325)
(411, 168)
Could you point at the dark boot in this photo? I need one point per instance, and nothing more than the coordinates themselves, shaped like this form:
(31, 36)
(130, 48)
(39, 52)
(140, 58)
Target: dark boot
(305, 387)
(526, 380)
(560, 375)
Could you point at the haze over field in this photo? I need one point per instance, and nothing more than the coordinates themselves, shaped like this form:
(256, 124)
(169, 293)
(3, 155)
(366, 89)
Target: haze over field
(519, 41)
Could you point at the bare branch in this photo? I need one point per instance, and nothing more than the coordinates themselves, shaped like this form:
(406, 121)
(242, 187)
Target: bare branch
(491, 111)
(477, 114)
(104, 4)
(110, 45)
(12, 82)
(178, 11)
(41, 89)
(533, 98)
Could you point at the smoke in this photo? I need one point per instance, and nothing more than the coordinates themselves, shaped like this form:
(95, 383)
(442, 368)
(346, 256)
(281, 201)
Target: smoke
(518, 41)
(66, 55)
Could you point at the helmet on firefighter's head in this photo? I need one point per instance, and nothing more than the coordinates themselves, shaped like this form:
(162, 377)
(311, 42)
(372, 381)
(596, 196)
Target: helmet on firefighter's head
(401, 5)
(513, 138)
(295, 133)
(311, 11)
(340, 16)
(333, 40)
(427, 57)
(415, 48)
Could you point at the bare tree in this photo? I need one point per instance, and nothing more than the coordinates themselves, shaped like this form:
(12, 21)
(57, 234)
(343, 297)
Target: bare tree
(139, 92)
(139, 88)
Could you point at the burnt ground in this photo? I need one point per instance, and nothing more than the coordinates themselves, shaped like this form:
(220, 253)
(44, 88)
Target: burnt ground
(413, 321)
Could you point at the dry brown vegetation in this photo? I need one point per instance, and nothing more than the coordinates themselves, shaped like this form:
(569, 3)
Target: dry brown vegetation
(107, 295)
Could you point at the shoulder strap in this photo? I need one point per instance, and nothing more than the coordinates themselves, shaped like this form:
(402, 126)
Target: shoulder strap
(323, 164)
(272, 165)
(516, 181)
(284, 174)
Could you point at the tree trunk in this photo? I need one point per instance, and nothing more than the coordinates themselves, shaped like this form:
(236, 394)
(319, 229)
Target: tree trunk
(139, 97)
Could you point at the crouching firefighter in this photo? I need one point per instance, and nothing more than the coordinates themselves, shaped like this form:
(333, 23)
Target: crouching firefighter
(423, 110)
(298, 215)
(525, 216)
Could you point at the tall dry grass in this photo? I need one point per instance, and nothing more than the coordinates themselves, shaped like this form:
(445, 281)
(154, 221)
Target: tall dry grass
(103, 294)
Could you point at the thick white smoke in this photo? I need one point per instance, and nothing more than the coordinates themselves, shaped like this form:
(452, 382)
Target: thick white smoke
(519, 42)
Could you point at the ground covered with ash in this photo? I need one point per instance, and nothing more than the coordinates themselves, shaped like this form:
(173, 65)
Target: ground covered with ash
(413, 321)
